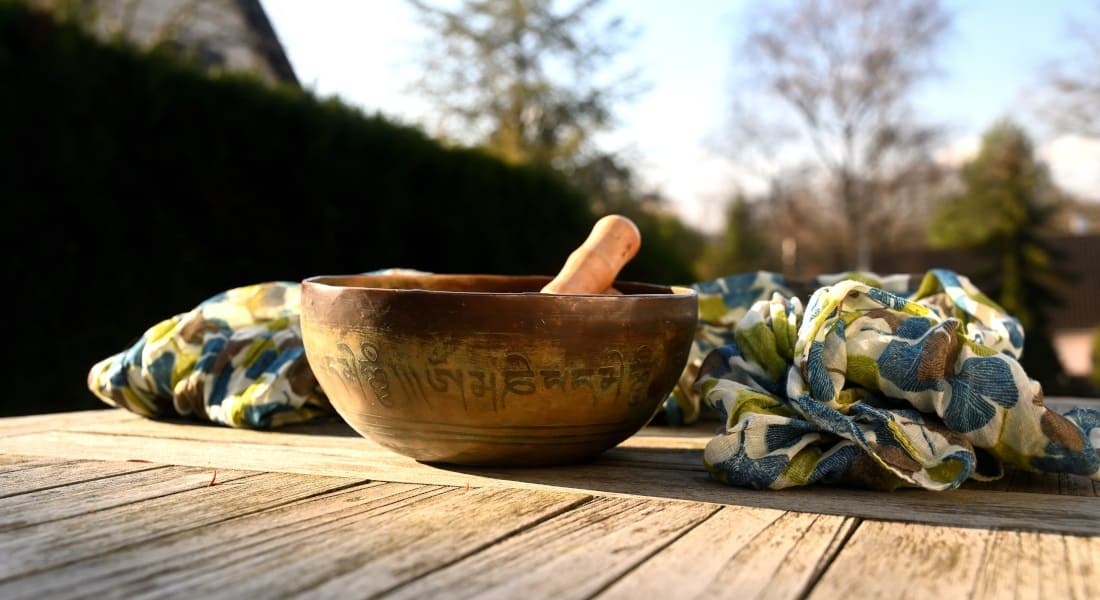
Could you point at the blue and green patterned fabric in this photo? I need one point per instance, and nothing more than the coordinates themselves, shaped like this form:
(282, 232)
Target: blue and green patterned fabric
(868, 385)
(235, 359)
(875, 381)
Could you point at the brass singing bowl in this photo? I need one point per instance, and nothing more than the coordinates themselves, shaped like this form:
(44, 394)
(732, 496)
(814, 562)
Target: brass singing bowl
(486, 370)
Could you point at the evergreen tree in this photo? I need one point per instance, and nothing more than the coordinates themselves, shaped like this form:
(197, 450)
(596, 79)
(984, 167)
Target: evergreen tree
(532, 82)
(527, 81)
(742, 247)
(1006, 206)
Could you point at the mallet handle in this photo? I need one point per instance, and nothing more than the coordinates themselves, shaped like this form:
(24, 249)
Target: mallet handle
(593, 267)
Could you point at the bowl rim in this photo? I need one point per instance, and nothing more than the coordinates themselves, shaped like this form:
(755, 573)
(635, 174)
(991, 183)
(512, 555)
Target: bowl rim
(345, 282)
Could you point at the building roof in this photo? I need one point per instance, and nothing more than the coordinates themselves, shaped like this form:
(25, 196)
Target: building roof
(229, 35)
(267, 41)
(1080, 258)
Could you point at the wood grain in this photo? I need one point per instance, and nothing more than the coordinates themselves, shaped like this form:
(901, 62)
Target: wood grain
(48, 540)
(884, 559)
(1075, 485)
(572, 556)
(52, 503)
(55, 475)
(15, 462)
(1018, 480)
(905, 560)
(642, 469)
(147, 566)
(333, 545)
(1082, 565)
(59, 421)
(1032, 565)
(319, 511)
(760, 553)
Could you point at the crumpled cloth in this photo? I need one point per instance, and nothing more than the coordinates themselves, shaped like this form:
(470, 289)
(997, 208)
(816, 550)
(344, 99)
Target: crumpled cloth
(872, 387)
(236, 359)
(870, 384)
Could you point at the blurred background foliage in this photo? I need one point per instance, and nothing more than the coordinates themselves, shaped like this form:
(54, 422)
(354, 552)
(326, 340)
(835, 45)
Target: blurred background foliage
(1001, 216)
(140, 177)
(135, 187)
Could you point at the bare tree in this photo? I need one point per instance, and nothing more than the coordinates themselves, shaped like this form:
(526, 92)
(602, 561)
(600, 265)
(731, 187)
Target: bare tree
(804, 251)
(1073, 102)
(831, 81)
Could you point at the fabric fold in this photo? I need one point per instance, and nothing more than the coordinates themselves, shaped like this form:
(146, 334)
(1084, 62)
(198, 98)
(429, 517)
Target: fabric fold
(235, 359)
(879, 382)
(884, 390)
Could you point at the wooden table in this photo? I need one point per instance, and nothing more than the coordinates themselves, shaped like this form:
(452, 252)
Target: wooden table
(107, 504)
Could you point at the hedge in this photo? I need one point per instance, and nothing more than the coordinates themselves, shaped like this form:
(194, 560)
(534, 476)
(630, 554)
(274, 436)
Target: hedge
(135, 186)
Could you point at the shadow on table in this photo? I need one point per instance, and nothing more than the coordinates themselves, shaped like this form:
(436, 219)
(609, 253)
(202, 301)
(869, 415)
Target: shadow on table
(646, 467)
(678, 475)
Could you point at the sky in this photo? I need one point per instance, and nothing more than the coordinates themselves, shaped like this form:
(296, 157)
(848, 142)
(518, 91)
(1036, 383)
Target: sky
(365, 52)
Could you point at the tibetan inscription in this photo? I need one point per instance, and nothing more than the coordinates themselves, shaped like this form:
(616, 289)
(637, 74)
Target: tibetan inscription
(362, 369)
(614, 376)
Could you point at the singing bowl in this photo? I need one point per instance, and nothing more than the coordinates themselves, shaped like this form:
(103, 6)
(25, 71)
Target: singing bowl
(486, 370)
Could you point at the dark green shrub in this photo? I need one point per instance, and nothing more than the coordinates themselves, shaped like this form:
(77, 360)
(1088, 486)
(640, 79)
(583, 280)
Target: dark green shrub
(135, 186)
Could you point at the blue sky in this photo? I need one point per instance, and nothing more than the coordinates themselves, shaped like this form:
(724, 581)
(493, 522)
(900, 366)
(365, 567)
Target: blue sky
(365, 51)
(996, 53)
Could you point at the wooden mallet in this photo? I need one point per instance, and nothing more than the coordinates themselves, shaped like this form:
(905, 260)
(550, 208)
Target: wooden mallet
(593, 267)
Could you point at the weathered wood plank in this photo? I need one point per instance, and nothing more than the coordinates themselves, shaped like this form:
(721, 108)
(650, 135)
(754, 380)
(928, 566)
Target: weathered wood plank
(1032, 565)
(677, 448)
(691, 434)
(51, 544)
(345, 545)
(1019, 480)
(83, 496)
(330, 434)
(60, 421)
(653, 447)
(405, 545)
(904, 560)
(57, 474)
(16, 462)
(572, 556)
(361, 458)
(798, 549)
(528, 531)
(1083, 565)
(152, 566)
(760, 553)
(352, 457)
(1075, 485)
(967, 508)
(668, 447)
(884, 559)
(680, 451)
(686, 437)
